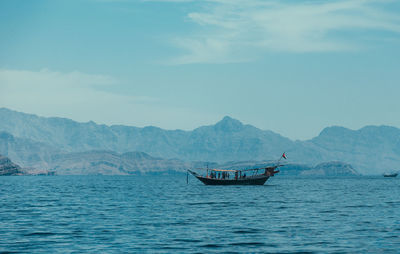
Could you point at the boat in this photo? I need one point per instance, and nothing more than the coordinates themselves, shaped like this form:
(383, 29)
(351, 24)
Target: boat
(253, 176)
(237, 177)
(390, 174)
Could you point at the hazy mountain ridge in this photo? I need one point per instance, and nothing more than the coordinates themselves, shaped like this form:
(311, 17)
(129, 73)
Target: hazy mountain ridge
(111, 163)
(371, 150)
(26, 152)
(332, 168)
(40, 159)
(226, 140)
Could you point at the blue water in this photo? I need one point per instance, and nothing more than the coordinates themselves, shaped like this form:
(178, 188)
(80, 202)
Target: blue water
(114, 214)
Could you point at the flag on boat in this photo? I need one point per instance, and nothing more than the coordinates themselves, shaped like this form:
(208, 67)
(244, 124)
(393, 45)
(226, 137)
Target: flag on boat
(284, 156)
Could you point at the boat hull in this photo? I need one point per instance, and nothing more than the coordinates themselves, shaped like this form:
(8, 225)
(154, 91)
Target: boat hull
(390, 175)
(244, 181)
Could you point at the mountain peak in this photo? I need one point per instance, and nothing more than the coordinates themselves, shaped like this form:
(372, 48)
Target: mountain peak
(229, 124)
(334, 131)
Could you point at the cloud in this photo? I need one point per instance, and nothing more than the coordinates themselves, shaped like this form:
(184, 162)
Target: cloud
(74, 94)
(230, 31)
(84, 97)
(38, 79)
(53, 88)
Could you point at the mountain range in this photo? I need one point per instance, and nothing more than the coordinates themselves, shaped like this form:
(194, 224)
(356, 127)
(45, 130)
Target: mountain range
(34, 141)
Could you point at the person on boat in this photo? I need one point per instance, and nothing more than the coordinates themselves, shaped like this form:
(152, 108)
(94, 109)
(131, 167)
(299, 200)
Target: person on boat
(244, 175)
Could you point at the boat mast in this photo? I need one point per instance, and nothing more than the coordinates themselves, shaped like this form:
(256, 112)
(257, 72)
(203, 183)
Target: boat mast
(282, 156)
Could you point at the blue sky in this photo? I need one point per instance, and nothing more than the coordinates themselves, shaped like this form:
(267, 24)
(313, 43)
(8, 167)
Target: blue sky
(293, 67)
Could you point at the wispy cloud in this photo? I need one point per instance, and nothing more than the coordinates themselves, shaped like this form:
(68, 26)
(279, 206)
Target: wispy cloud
(83, 97)
(232, 30)
(77, 95)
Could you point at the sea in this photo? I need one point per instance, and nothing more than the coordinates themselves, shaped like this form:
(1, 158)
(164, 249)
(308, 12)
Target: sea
(165, 214)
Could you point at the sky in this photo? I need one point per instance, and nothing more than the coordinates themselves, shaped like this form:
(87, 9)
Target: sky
(290, 66)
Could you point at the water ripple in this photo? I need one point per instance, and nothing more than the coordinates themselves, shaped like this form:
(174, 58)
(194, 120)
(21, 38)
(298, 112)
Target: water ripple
(103, 214)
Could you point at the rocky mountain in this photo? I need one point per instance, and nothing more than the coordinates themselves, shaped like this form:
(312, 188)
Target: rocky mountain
(228, 140)
(30, 140)
(372, 149)
(334, 168)
(26, 152)
(8, 168)
(41, 159)
(111, 163)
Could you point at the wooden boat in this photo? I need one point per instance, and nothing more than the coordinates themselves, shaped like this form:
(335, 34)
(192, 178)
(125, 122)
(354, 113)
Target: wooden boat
(390, 174)
(254, 176)
(237, 177)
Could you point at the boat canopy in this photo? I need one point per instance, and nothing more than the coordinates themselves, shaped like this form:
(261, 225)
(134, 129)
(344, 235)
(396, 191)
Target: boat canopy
(224, 170)
(238, 170)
